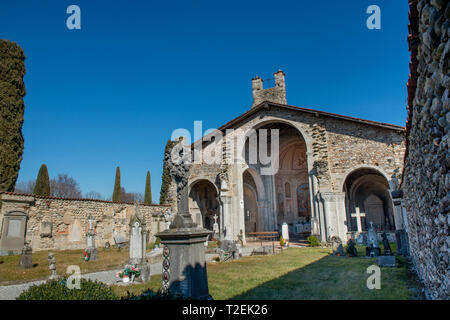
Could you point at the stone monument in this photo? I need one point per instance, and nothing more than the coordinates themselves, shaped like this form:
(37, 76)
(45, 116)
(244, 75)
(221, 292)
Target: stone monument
(372, 249)
(90, 241)
(351, 249)
(26, 258)
(184, 265)
(285, 233)
(138, 236)
(52, 266)
(215, 227)
(387, 247)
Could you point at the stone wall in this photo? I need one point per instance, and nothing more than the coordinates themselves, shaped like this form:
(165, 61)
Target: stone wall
(426, 181)
(59, 224)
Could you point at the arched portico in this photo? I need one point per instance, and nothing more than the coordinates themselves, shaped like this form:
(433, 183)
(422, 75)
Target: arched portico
(368, 199)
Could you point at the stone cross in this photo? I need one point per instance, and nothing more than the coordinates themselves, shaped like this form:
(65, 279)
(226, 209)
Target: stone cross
(215, 218)
(358, 215)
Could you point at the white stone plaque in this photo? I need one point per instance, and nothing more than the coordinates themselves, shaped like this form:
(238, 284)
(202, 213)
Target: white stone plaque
(14, 226)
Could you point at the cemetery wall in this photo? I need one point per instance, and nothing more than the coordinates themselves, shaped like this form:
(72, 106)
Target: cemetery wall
(426, 181)
(59, 224)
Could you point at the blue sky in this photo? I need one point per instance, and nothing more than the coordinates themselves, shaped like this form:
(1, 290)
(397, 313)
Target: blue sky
(111, 93)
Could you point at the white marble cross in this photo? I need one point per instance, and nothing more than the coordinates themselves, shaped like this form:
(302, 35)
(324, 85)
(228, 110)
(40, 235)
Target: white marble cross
(358, 215)
(215, 218)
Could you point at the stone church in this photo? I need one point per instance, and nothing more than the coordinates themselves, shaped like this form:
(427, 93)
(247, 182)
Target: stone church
(335, 173)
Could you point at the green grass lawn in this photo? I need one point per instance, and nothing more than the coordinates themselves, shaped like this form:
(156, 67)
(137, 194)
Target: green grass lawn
(107, 259)
(298, 273)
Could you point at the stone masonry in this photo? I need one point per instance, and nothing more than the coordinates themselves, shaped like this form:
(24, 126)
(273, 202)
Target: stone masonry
(426, 183)
(60, 224)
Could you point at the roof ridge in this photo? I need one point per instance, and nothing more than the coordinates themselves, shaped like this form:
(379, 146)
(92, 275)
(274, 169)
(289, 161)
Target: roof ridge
(80, 199)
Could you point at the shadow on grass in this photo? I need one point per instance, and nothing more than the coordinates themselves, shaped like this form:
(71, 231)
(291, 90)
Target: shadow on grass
(335, 278)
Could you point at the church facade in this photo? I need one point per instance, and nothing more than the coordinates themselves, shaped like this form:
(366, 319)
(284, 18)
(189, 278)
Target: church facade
(334, 174)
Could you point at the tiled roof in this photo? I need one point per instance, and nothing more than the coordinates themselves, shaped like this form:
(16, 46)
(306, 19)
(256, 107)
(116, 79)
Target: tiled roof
(78, 199)
(411, 85)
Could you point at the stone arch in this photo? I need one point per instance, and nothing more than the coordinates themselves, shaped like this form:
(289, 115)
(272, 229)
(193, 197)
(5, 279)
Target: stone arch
(260, 189)
(367, 191)
(363, 166)
(203, 202)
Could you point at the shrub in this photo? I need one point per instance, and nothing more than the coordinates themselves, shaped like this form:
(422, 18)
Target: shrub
(57, 290)
(313, 242)
(152, 295)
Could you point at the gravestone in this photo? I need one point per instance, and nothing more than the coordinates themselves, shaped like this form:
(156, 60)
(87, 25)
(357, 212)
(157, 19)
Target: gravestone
(120, 241)
(215, 227)
(336, 246)
(372, 249)
(184, 265)
(387, 248)
(138, 236)
(351, 249)
(90, 241)
(12, 235)
(52, 266)
(26, 257)
(386, 261)
(285, 233)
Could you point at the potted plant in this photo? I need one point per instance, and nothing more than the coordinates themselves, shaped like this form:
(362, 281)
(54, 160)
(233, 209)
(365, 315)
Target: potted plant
(129, 272)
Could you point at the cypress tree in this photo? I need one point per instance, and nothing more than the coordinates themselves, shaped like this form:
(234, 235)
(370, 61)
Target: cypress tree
(148, 189)
(116, 193)
(166, 179)
(42, 187)
(12, 107)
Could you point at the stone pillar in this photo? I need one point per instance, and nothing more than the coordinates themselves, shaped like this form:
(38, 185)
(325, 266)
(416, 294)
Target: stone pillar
(138, 236)
(90, 241)
(401, 235)
(184, 265)
(334, 212)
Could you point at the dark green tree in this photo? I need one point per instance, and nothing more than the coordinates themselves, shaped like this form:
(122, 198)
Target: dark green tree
(148, 189)
(12, 107)
(166, 179)
(42, 187)
(116, 193)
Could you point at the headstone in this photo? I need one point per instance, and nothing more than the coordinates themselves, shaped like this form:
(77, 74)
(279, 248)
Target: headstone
(372, 249)
(184, 265)
(107, 245)
(402, 242)
(52, 266)
(285, 233)
(360, 239)
(351, 249)
(90, 241)
(215, 227)
(138, 236)
(386, 261)
(336, 246)
(26, 257)
(387, 247)
(120, 241)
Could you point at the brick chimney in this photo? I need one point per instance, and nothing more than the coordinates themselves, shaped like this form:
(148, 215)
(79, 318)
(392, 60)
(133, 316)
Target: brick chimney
(276, 94)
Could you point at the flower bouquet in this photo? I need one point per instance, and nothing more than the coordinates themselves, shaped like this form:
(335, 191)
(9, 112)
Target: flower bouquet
(129, 272)
(86, 256)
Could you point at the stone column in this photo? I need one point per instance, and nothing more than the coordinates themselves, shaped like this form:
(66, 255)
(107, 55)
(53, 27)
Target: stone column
(184, 265)
(401, 235)
(335, 216)
(90, 241)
